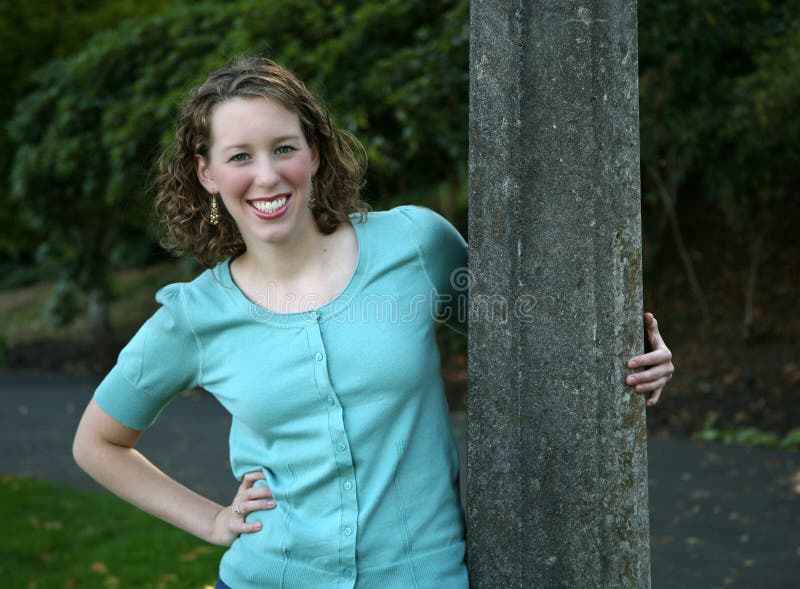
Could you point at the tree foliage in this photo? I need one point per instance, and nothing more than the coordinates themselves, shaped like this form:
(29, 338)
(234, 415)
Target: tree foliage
(719, 93)
(33, 33)
(720, 88)
(89, 134)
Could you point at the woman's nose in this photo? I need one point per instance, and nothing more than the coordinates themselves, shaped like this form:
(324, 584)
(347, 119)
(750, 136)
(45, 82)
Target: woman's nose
(266, 173)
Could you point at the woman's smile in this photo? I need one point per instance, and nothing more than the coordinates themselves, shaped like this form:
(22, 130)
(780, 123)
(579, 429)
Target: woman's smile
(270, 208)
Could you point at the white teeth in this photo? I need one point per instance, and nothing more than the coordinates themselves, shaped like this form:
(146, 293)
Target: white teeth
(271, 206)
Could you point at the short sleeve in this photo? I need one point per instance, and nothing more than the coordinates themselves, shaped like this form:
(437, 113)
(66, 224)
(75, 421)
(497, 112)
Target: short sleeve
(159, 362)
(444, 257)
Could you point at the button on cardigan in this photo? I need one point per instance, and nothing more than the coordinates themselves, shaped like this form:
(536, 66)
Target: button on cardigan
(341, 407)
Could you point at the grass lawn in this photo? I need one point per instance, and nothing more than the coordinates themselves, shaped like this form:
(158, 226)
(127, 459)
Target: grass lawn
(55, 537)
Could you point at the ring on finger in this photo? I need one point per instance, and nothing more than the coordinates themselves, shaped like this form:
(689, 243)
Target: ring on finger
(238, 509)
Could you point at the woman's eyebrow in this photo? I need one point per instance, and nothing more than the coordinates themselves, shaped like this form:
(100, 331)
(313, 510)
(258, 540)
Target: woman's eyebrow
(292, 137)
(237, 146)
(280, 139)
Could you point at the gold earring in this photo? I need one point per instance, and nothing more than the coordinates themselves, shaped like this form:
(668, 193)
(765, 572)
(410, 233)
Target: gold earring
(213, 216)
(312, 202)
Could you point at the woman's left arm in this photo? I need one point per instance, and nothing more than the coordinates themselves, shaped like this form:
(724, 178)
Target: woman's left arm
(657, 364)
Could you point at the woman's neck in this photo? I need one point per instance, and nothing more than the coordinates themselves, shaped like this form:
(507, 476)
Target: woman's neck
(288, 262)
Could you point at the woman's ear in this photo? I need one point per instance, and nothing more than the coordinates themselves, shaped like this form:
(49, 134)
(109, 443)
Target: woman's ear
(314, 161)
(203, 174)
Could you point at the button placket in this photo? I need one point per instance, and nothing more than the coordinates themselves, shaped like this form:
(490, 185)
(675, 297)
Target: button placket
(341, 450)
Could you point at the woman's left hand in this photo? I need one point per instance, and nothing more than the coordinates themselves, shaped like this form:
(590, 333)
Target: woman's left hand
(658, 364)
(229, 522)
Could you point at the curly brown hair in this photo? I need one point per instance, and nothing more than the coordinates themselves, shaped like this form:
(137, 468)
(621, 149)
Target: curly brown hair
(182, 203)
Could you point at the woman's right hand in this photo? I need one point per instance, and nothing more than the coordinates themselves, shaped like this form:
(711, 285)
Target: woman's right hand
(229, 522)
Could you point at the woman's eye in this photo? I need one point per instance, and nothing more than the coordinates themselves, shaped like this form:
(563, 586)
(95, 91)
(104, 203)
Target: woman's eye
(239, 157)
(284, 149)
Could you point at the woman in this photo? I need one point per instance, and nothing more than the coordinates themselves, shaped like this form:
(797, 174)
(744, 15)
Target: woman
(314, 325)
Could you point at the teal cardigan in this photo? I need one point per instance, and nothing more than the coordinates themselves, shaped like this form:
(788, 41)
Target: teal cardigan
(342, 408)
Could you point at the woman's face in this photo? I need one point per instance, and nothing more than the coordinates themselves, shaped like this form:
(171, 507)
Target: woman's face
(261, 165)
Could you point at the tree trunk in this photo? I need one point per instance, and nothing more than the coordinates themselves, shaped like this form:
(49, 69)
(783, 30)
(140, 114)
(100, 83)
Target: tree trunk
(654, 243)
(668, 203)
(98, 316)
(756, 249)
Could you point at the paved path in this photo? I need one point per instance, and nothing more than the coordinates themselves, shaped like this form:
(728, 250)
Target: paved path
(720, 516)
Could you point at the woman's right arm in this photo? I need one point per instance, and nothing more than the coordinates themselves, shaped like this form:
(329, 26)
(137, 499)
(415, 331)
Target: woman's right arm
(104, 448)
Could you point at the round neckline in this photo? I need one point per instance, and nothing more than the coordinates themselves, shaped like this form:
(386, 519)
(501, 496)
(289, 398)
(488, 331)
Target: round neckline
(338, 304)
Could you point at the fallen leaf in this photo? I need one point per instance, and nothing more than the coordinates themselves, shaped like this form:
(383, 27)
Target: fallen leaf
(791, 373)
(53, 525)
(166, 579)
(99, 567)
(194, 553)
(732, 376)
(796, 482)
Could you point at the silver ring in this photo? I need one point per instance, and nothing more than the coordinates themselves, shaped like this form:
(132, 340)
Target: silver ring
(238, 509)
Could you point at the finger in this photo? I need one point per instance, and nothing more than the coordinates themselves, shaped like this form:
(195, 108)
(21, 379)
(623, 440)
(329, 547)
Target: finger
(649, 375)
(247, 507)
(258, 493)
(260, 505)
(648, 387)
(653, 399)
(250, 500)
(239, 526)
(653, 334)
(659, 356)
(250, 528)
(251, 477)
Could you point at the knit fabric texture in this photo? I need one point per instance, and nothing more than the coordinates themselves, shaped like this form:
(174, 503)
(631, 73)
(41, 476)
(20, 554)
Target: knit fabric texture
(342, 407)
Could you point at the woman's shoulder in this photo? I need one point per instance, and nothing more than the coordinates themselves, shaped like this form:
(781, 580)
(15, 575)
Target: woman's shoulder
(202, 291)
(404, 210)
(421, 222)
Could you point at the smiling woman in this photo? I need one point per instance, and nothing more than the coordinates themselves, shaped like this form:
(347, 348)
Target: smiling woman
(340, 435)
(248, 93)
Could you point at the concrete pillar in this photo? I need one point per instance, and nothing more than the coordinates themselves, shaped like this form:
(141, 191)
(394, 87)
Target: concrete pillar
(557, 456)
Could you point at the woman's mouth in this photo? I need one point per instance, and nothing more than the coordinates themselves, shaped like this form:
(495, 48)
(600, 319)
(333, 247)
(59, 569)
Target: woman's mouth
(270, 209)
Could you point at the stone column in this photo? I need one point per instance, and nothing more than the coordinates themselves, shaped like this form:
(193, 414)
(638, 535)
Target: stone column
(557, 456)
